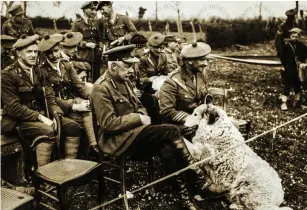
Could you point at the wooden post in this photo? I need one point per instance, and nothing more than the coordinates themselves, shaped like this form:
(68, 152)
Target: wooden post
(156, 11)
(150, 28)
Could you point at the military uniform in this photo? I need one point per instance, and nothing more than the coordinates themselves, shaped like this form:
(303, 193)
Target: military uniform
(7, 57)
(15, 29)
(171, 58)
(122, 131)
(184, 91)
(68, 88)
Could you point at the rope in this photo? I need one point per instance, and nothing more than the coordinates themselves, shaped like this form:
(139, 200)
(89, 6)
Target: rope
(202, 161)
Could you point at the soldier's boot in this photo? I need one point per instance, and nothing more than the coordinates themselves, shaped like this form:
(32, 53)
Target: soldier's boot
(71, 146)
(43, 154)
(89, 129)
(297, 100)
(283, 105)
(282, 76)
(183, 193)
(180, 145)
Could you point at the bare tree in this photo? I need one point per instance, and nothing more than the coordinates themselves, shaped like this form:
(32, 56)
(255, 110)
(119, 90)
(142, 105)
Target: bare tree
(7, 5)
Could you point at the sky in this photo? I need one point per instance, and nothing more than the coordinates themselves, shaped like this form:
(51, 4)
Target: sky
(167, 9)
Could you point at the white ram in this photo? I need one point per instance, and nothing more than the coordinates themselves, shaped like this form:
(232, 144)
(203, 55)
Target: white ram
(249, 181)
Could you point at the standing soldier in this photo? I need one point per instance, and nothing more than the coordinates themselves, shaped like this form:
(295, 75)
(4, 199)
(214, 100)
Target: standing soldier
(7, 56)
(125, 128)
(186, 87)
(89, 50)
(170, 52)
(17, 25)
(71, 93)
(119, 28)
(23, 99)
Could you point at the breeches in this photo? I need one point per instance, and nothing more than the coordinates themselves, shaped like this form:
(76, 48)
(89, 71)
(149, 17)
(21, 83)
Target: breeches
(291, 80)
(158, 140)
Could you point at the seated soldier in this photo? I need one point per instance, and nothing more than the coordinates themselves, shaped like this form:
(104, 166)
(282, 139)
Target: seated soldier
(71, 93)
(7, 56)
(186, 87)
(125, 128)
(24, 101)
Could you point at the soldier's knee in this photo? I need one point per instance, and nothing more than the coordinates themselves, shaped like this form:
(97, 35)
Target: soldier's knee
(72, 129)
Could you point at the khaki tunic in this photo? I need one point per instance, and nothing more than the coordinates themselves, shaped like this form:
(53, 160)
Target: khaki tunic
(179, 101)
(16, 30)
(122, 26)
(117, 110)
(16, 87)
(69, 77)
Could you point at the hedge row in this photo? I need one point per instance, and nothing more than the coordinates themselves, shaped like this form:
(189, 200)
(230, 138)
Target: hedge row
(219, 32)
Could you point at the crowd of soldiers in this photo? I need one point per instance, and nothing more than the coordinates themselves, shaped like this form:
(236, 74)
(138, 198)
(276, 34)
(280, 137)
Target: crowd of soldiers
(55, 74)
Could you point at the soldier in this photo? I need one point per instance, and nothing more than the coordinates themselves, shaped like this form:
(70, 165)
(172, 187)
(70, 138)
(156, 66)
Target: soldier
(7, 56)
(293, 52)
(17, 25)
(186, 87)
(89, 50)
(170, 52)
(125, 127)
(23, 99)
(119, 28)
(71, 93)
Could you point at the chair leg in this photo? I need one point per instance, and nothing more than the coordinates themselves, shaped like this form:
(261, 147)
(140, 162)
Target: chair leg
(123, 177)
(101, 187)
(151, 175)
(61, 191)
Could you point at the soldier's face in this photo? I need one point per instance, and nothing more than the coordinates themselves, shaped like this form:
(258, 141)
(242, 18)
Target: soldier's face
(156, 50)
(197, 65)
(123, 71)
(90, 12)
(18, 18)
(173, 45)
(70, 51)
(106, 10)
(54, 54)
(294, 37)
(28, 55)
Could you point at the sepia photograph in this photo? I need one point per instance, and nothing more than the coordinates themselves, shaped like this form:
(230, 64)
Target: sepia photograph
(153, 105)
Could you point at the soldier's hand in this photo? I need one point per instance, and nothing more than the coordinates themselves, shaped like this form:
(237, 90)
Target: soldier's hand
(145, 119)
(120, 40)
(45, 120)
(91, 45)
(84, 106)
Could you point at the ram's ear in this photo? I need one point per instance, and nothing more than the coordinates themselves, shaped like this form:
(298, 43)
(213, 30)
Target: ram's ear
(193, 149)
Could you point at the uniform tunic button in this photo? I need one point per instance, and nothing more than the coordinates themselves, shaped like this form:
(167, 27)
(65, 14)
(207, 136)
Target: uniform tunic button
(185, 96)
(120, 100)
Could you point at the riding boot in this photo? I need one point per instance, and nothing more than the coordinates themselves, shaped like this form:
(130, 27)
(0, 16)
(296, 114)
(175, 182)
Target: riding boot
(43, 154)
(72, 146)
(183, 193)
(89, 129)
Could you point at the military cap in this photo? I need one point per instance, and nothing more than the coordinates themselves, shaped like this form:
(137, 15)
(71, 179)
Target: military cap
(181, 39)
(121, 53)
(103, 3)
(291, 12)
(26, 41)
(138, 40)
(72, 39)
(295, 30)
(7, 41)
(195, 50)
(88, 4)
(169, 38)
(16, 10)
(49, 41)
(156, 40)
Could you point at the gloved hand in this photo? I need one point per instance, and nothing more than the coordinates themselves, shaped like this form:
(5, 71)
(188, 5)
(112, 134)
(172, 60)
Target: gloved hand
(84, 106)
(45, 120)
(91, 45)
(120, 40)
(188, 132)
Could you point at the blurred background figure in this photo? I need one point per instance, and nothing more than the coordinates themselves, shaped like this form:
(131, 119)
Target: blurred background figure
(7, 56)
(17, 25)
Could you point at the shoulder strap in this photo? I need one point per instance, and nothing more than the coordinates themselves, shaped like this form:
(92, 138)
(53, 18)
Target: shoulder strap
(182, 85)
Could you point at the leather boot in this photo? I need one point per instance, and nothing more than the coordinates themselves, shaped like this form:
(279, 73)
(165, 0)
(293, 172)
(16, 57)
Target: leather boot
(184, 197)
(43, 154)
(89, 129)
(72, 146)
